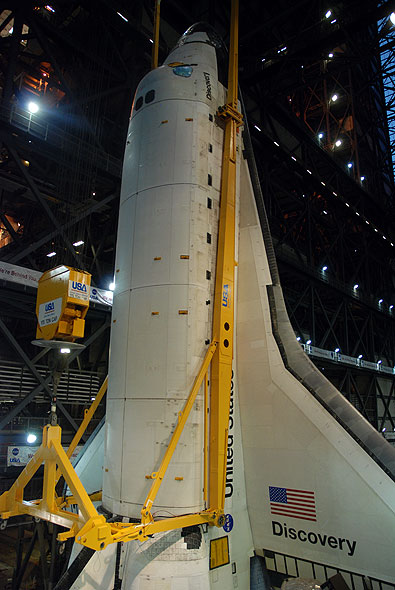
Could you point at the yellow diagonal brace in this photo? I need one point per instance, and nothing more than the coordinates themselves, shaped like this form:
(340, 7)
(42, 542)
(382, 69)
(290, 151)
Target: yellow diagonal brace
(88, 415)
(182, 418)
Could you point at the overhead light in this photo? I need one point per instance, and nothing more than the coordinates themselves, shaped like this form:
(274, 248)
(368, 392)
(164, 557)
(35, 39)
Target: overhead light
(33, 107)
(338, 142)
(356, 286)
(31, 438)
(392, 17)
(308, 342)
(122, 17)
(321, 135)
(328, 14)
(337, 349)
(334, 97)
(93, 194)
(333, 21)
(362, 178)
(79, 243)
(349, 165)
(325, 212)
(324, 268)
(330, 55)
(277, 144)
(383, 429)
(380, 301)
(49, 8)
(391, 307)
(309, 171)
(256, 127)
(360, 356)
(298, 338)
(151, 40)
(111, 286)
(65, 350)
(379, 362)
(51, 254)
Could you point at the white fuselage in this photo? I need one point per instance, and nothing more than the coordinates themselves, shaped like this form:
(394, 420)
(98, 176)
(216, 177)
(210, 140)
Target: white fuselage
(164, 283)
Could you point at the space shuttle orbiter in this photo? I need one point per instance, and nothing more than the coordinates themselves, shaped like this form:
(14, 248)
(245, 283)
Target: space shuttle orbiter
(306, 475)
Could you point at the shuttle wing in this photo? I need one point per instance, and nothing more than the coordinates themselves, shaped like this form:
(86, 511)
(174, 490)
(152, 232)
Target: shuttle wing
(319, 478)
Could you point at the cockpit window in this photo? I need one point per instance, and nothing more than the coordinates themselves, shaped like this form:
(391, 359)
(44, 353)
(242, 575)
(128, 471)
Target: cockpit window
(149, 97)
(139, 103)
(184, 71)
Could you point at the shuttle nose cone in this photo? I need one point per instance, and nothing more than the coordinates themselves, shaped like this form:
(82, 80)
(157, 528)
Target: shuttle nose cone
(204, 33)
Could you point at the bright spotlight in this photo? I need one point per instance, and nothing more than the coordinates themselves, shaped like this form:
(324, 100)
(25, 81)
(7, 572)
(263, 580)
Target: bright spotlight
(392, 17)
(308, 342)
(31, 438)
(338, 143)
(320, 135)
(349, 165)
(334, 97)
(380, 301)
(328, 14)
(360, 356)
(356, 286)
(330, 55)
(111, 286)
(33, 107)
(324, 268)
(337, 349)
(65, 350)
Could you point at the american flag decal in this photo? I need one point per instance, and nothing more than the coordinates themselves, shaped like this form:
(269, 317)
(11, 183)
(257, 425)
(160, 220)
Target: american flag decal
(290, 502)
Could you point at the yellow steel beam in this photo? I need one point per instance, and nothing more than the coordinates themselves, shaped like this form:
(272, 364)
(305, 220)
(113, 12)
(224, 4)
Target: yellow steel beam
(157, 476)
(224, 298)
(88, 415)
(205, 449)
(127, 532)
(155, 46)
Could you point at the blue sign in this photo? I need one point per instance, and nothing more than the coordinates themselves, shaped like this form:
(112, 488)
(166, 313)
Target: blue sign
(228, 526)
(79, 286)
(15, 451)
(226, 296)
